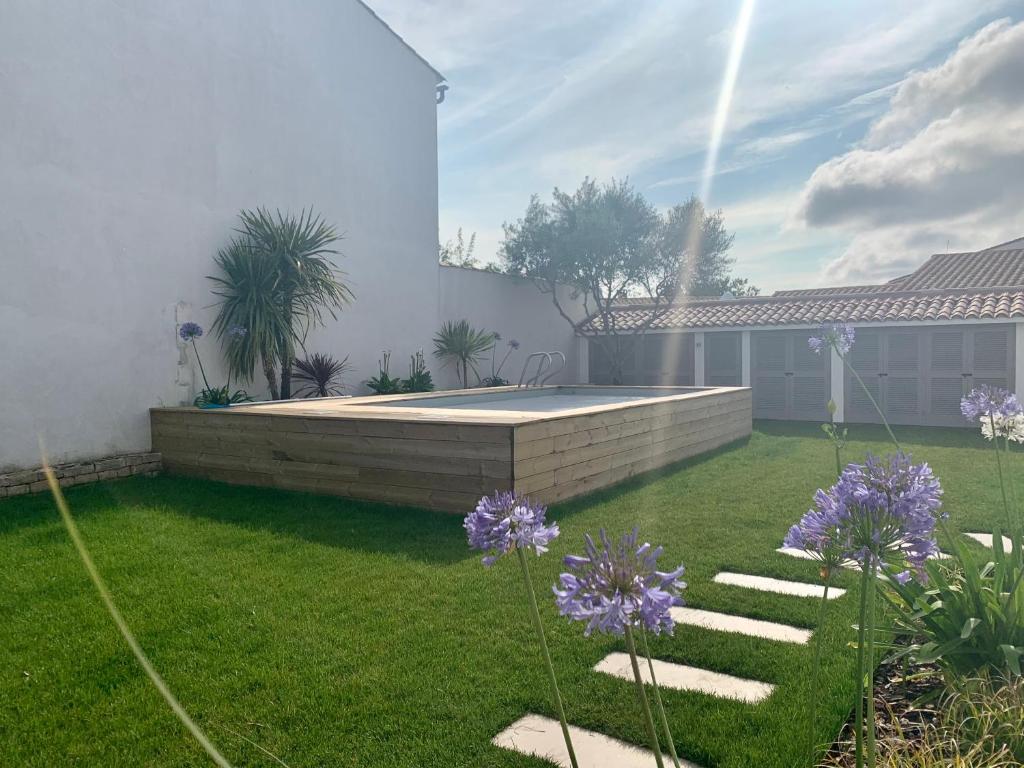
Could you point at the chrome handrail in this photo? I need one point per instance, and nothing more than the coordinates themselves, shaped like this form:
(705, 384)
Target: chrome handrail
(540, 366)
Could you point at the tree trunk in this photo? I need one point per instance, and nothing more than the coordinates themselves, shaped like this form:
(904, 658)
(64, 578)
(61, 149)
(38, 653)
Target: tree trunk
(286, 379)
(271, 374)
(465, 375)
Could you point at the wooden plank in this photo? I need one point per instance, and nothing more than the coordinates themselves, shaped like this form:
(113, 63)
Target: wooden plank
(611, 476)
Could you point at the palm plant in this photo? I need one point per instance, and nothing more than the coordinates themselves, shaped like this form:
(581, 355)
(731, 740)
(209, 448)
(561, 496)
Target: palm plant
(320, 375)
(277, 280)
(460, 343)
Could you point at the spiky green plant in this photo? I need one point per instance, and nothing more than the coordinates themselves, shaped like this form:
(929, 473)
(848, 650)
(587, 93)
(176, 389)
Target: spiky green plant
(277, 280)
(459, 343)
(320, 375)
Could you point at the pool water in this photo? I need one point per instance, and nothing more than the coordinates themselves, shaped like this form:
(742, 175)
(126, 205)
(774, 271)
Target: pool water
(539, 400)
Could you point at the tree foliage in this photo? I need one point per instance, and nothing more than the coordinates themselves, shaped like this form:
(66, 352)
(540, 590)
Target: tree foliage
(459, 253)
(459, 343)
(606, 244)
(277, 281)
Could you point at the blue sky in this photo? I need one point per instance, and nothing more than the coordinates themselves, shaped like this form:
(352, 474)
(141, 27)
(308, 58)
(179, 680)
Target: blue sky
(859, 138)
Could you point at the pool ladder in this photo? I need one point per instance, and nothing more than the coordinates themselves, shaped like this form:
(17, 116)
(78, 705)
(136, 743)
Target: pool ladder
(544, 362)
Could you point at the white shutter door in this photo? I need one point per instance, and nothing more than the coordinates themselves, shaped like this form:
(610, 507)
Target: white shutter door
(866, 360)
(945, 376)
(769, 374)
(901, 388)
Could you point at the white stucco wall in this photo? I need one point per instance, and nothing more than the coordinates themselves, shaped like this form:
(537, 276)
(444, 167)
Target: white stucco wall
(130, 136)
(516, 309)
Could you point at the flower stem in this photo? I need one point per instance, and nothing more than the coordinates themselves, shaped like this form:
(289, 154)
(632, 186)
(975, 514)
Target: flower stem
(999, 467)
(657, 700)
(1014, 514)
(555, 693)
(652, 734)
(885, 422)
(859, 719)
(200, 361)
(818, 642)
(872, 588)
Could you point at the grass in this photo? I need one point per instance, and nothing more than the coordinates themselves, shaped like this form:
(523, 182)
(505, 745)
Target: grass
(335, 632)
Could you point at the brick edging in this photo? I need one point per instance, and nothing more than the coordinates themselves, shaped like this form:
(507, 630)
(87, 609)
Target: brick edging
(80, 472)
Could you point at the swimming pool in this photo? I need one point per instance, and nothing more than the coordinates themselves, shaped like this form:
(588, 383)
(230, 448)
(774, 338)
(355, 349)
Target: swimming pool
(444, 450)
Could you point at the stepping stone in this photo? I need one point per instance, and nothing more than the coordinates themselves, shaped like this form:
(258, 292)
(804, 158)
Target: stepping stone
(985, 539)
(683, 678)
(805, 555)
(779, 586)
(542, 737)
(724, 622)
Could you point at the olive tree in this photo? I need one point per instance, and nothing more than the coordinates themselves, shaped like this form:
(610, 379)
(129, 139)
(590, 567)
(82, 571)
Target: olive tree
(606, 244)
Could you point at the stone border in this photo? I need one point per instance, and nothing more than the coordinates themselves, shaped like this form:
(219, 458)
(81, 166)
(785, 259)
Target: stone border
(80, 472)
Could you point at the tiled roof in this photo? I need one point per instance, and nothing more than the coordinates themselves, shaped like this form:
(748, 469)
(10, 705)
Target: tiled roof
(983, 269)
(981, 285)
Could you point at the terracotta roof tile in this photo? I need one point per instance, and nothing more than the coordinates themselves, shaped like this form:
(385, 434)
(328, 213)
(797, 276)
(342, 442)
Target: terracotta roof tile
(982, 285)
(826, 309)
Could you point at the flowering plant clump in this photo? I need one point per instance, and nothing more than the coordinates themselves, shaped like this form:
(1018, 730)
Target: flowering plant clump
(212, 397)
(998, 410)
(619, 585)
(190, 331)
(985, 401)
(879, 513)
(616, 588)
(504, 522)
(839, 337)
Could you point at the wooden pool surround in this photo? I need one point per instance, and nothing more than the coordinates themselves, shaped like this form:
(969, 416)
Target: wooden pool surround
(441, 458)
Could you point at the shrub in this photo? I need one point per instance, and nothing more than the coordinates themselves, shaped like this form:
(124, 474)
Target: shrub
(419, 379)
(319, 375)
(970, 614)
(383, 383)
(458, 342)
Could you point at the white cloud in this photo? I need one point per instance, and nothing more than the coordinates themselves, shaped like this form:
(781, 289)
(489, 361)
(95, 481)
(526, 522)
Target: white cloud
(943, 166)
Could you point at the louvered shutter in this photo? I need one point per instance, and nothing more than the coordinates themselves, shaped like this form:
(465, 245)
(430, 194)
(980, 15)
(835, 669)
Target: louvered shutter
(990, 352)
(866, 360)
(722, 361)
(901, 382)
(808, 380)
(945, 376)
(768, 350)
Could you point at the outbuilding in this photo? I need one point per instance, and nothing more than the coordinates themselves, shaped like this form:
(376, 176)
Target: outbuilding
(922, 341)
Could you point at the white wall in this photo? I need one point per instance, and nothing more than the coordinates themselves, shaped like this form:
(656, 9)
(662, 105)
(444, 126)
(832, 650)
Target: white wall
(130, 136)
(516, 309)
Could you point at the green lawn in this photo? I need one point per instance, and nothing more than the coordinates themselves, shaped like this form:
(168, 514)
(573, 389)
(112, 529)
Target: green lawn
(333, 632)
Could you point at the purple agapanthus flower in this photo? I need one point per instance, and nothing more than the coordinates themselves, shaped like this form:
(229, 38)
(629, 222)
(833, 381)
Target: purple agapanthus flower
(986, 401)
(882, 512)
(839, 337)
(820, 533)
(189, 331)
(513, 343)
(504, 522)
(618, 585)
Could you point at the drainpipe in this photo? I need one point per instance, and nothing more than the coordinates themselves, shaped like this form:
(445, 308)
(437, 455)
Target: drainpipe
(440, 92)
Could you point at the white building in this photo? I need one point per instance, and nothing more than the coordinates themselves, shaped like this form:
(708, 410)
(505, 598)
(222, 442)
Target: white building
(130, 137)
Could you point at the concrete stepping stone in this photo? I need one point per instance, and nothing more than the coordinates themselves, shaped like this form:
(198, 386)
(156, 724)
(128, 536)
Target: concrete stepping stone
(684, 678)
(778, 586)
(805, 555)
(724, 622)
(542, 737)
(985, 539)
